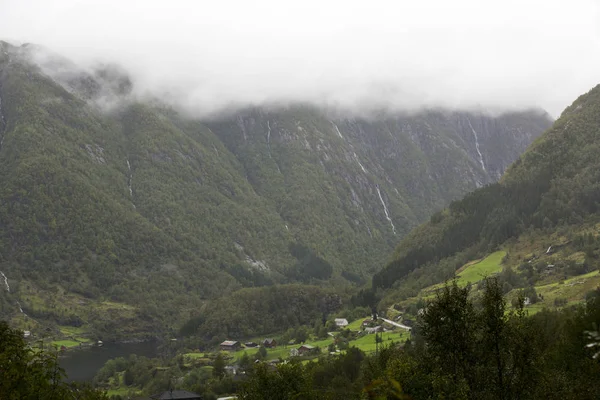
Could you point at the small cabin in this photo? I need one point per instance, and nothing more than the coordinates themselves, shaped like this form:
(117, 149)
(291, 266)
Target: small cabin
(341, 322)
(374, 329)
(230, 345)
(269, 343)
(250, 344)
(305, 349)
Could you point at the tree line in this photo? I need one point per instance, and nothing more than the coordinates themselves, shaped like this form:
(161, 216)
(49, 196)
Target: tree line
(28, 373)
(462, 348)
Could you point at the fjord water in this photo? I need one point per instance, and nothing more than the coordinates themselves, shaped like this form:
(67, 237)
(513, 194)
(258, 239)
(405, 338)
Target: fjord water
(82, 365)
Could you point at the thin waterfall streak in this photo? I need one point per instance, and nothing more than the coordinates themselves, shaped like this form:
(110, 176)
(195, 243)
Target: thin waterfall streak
(5, 281)
(385, 210)
(477, 145)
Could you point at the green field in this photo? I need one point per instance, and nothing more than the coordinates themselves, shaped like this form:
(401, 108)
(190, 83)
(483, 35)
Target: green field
(473, 273)
(72, 337)
(122, 391)
(571, 291)
(196, 355)
(356, 325)
(366, 343)
(71, 330)
(66, 343)
(279, 351)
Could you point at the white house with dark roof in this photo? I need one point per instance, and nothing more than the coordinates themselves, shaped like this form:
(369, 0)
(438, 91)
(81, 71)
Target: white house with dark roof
(341, 322)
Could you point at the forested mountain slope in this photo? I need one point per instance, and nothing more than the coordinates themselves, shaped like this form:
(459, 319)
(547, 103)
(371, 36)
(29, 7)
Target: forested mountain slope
(141, 206)
(547, 202)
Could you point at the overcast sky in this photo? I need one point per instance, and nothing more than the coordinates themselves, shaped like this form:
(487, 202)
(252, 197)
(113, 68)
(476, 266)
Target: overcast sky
(398, 54)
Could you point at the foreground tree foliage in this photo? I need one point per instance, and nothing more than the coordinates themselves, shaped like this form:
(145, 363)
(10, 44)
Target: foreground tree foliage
(462, 348)
(28, 374)
(479, 351)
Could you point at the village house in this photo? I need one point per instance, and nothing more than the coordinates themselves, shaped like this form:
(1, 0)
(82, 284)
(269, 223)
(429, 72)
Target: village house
(250, 344)
(230, 345)
(269, 343)
(305, 349)
(374, 329)
(231, 369)
(341, 322)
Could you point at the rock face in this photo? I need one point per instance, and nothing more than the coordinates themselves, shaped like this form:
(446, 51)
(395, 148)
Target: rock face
(115, 200)
(388, 172)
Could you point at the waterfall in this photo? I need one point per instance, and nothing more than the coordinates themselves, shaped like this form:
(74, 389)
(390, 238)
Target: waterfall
(5, 281)
(269, 137)
(337, 130)
(269, 144)
(385, 210)
(477, 144)
(362, 167)
(21, 309)
(129, 179)
(359, 163)
(240, 123)
(8, 290)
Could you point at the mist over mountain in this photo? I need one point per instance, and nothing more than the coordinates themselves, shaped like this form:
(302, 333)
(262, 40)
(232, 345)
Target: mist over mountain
(389, 55)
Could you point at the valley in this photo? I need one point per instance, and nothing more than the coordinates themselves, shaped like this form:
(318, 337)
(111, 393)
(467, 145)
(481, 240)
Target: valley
(259, 200)
(128, 221)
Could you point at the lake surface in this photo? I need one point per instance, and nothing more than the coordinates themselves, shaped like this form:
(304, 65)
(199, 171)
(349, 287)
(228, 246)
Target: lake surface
(83, 364)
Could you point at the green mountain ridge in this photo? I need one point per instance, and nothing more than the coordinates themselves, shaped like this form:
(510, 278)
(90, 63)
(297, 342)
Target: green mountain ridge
(543, 212)
(144, 207)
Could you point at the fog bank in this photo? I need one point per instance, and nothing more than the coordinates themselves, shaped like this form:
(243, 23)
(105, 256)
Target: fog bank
(341, 54)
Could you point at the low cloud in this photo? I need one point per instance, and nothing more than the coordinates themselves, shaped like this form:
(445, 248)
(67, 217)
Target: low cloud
(340, 54)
